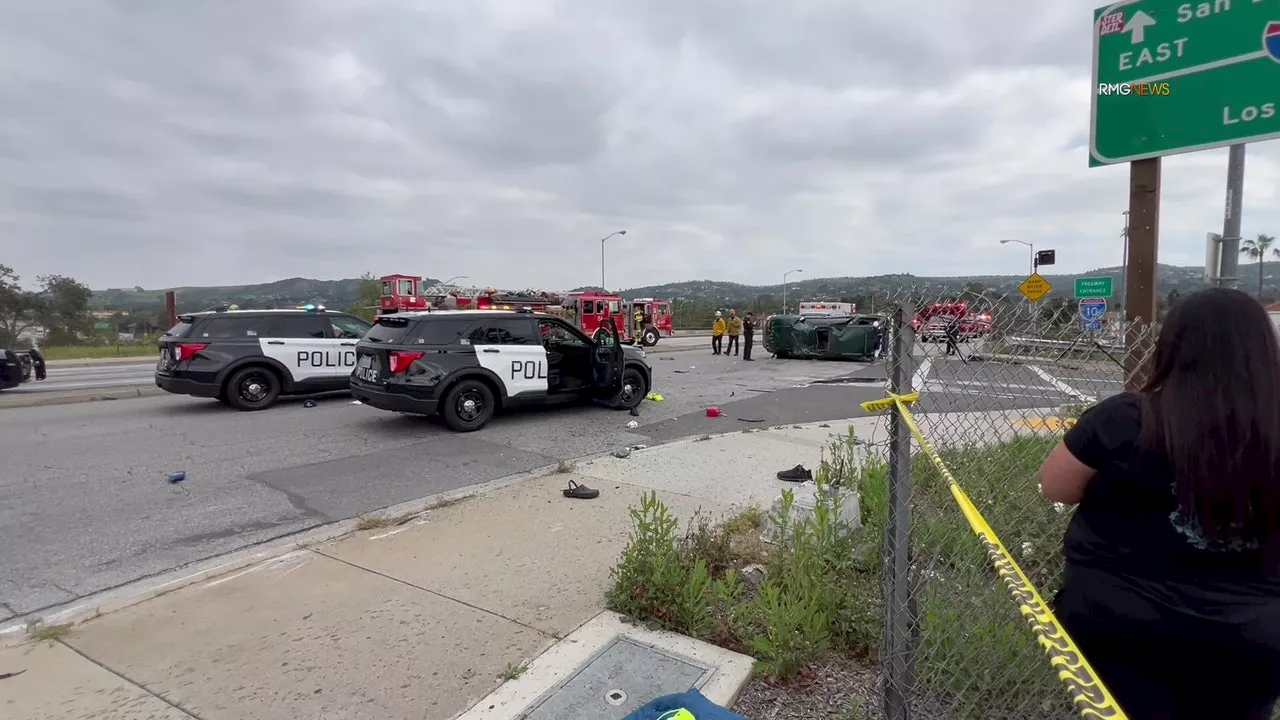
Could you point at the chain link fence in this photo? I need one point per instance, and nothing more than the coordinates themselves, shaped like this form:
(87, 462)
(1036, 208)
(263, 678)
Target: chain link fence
(1000, 379)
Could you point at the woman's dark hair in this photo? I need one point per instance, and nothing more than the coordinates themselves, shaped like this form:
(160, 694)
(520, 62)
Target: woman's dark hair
(1211, 406)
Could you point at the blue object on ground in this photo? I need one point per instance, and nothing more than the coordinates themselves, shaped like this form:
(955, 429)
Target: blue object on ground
(693, 701)
(177, 477)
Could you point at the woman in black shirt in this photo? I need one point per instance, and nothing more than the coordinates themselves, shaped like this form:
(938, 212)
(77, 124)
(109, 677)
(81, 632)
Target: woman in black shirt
(1172, 587)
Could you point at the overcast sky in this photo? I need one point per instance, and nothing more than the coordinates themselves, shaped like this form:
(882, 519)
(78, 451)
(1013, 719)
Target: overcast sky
(201, 142)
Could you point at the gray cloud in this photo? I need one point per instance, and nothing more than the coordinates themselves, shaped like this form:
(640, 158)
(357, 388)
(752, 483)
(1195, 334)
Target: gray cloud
(501, 139)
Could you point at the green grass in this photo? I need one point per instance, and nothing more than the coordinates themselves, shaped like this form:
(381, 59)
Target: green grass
(822, 591)
(976, 654)
(99, 352)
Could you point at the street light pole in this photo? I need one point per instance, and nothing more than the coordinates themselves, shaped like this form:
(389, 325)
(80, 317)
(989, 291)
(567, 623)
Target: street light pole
(785, 275)
(1032, 248)
(606, 237)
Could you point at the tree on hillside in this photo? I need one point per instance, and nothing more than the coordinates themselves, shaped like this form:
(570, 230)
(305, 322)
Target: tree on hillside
(61, 305)
(1256, 249)
(368, 293)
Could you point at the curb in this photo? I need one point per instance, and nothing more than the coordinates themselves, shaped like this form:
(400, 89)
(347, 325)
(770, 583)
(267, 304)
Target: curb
(13, 630)
(126, 392)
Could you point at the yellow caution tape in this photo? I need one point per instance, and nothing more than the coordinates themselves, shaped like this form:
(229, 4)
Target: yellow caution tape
(1090, 696)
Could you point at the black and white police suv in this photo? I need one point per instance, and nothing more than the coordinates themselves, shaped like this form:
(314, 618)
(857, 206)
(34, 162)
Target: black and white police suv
(466, 365)
(249, 358)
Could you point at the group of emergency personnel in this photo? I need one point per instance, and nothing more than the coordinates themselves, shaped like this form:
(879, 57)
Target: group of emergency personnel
(735, 327)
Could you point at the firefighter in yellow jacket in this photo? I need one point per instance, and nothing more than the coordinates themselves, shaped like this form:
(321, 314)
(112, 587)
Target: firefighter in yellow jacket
(717, 334)
(735, 332)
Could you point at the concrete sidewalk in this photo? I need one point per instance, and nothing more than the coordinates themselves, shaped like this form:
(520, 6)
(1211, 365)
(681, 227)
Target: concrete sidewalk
(420, 619)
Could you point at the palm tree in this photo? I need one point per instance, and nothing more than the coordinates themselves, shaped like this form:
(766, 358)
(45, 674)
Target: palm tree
(1256, 249)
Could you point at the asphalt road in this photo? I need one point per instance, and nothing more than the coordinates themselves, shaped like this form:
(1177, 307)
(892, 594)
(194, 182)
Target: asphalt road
(87, 506)
(70, 378)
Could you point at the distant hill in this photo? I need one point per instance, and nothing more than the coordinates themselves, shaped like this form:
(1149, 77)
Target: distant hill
(1181, 279)
(343, 293)
(281, 293)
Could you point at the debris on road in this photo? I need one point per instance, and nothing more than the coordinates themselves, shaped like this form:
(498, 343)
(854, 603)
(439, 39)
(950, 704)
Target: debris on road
(580, 492)
(751, 420)
(309, 404)
(633, 425)
(713, 411)
(622, 453)
(654, 397)
(177, 477)
(798, 473)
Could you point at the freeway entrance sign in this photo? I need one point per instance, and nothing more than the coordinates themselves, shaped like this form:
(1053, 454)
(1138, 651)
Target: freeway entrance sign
(1172, 77)
(1093, 287)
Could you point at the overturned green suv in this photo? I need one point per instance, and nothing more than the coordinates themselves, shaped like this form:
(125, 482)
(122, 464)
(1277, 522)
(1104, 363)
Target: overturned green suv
(824, 337)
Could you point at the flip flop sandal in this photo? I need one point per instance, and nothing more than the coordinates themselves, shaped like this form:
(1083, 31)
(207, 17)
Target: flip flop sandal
(580, 492)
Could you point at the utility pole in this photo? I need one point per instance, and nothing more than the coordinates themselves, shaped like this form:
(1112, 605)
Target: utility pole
(1124, 263)
(1229, 272)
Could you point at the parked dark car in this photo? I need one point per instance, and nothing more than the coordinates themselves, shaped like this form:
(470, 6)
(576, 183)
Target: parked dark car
(20, 366)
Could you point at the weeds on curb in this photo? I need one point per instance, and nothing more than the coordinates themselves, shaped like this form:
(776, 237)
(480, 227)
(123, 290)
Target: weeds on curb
(564, 467)
(37, 631)
(513, 671)
(372, 522)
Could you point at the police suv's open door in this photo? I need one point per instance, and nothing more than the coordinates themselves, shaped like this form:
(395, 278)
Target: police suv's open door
(607, 360)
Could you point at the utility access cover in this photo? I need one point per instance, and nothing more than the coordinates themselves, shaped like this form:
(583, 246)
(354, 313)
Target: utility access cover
(617, 680)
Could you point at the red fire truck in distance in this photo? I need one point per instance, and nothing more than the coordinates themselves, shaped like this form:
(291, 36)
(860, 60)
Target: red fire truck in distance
(589, 309)
(931, 321)
(403, 293)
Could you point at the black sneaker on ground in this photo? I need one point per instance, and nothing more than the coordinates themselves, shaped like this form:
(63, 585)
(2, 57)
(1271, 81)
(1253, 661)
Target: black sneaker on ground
(798, 473)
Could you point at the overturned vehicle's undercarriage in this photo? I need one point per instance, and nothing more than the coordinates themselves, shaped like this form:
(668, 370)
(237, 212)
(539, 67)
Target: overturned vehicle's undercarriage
(826, 337)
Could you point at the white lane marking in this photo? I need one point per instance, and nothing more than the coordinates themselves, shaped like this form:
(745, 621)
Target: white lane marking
(1093, 380)
(999, 385)
(922, 374)
(1062, 387)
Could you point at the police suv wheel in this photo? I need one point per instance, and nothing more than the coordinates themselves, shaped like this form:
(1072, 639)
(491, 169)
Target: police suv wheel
(253, 388)
(634, 389)
(649, 338)
(468, 406)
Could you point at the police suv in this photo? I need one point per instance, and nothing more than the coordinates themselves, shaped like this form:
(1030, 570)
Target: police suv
(466, 365)
(249, 358)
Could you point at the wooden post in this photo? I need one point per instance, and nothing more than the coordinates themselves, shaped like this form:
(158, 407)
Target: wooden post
(1140, 292)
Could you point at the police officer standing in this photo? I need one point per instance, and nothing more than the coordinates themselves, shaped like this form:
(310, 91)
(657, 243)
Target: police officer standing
(953, 336)
(748, 335)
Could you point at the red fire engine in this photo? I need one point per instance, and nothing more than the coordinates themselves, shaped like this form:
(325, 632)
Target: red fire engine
(931, 321)
(402, 293)
(587, 310)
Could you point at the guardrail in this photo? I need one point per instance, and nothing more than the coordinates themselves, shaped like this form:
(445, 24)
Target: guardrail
(1063, 345)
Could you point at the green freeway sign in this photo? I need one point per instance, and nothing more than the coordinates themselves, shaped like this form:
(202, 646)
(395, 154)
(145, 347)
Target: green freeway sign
(1172, 77)
(1094, 287)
